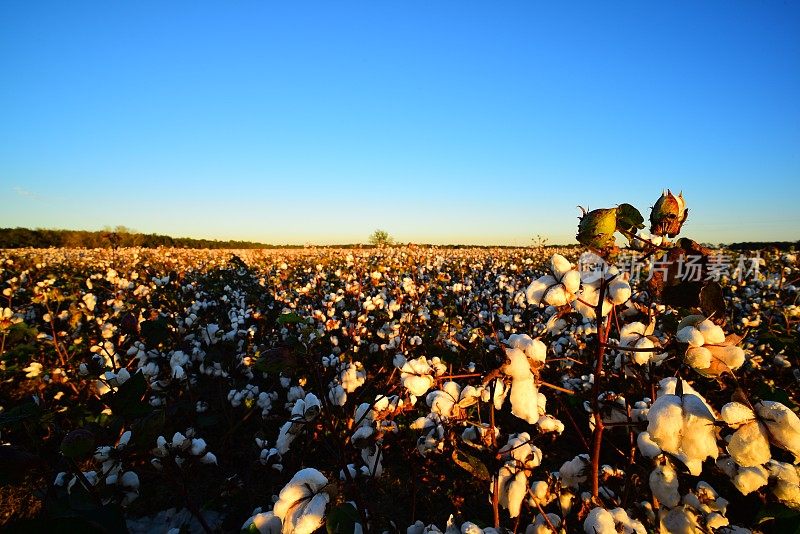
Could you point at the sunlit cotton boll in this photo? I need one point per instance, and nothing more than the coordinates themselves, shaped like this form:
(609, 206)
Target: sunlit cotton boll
(302, 502)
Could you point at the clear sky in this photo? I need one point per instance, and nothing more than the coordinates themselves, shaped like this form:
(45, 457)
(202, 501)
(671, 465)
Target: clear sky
(443, 122)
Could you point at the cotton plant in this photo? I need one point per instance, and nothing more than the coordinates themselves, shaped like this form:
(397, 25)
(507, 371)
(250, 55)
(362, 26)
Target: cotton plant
(110, 479)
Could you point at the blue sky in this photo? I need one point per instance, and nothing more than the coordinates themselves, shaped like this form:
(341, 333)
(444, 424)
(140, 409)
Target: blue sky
(444, 122)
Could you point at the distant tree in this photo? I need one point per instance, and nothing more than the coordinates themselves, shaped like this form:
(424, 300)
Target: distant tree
(381, 238)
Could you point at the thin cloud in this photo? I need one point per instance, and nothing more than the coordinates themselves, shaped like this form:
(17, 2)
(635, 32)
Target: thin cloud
(21, 191)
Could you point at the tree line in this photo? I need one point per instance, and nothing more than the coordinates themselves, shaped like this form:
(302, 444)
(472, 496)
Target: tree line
(116, 237)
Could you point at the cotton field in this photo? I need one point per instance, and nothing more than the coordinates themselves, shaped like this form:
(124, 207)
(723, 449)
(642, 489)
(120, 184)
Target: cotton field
(400, 389)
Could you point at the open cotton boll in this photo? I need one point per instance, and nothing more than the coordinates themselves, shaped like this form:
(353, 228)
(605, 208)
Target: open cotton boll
(787, 484)
(624, 523)
(513, 487)
(712, 333)
(746, 479)
(265, 523)
(683, 426)
(537, 289)
(599, 521)
(574, 472)
(698, 357)
(680, 520)
(783, 425)
(691, 335)
(533, 348)
(541, 525)
(571, 282)
(664, 485)
(619, 291)
(301, 503)
(524, 394)
(416, 376)
(559, 265)
(749, 445)
(647, 446)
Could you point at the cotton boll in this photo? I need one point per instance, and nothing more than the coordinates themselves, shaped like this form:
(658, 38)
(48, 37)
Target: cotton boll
(712, 333)
(574, 472)
(731, 355)
(683, 426)
(691, 335)
(536, 291)
(680, 520)
(647, 446)
(787, 486)
(557, 296)
(560, 265)
(599, 521)
(749, 445)
(548, 423)
(698, 357)
(517, 490)
(783, 425)
(624, 523)
(749, 479)
(736, 413)
(619, 291)
(664, 485)
(571, 281)
(541, 525)
(524, 400)
(665, 422)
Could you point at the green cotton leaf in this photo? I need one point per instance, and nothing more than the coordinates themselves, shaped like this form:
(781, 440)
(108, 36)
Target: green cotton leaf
(20, 413)
(629, 218)
(155, 332)
(342, 519)
(127, 401)
(471, 464)
(146, 429)
(782, 515)
(765, 392)
(290, 318)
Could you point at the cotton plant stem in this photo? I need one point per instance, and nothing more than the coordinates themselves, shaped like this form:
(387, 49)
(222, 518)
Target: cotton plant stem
(597, 436)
